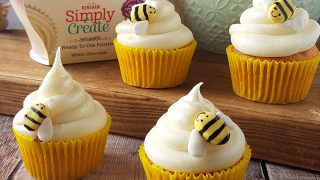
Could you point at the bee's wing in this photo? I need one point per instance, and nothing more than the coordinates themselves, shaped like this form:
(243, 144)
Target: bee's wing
(226, 119)
(45, 131)
(298, 21)
(196, 145)
(140, 28)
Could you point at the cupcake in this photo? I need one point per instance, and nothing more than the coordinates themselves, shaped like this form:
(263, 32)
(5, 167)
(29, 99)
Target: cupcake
(61, 130)
(273, 57)
(195, 140)
(154, 49)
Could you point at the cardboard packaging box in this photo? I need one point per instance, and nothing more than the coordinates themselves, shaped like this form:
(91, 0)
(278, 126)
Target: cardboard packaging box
(83, 29)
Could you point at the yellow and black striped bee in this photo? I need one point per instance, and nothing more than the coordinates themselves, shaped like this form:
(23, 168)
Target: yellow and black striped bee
(143, 12)
(212, 128)
(281, 10)
(35, 116)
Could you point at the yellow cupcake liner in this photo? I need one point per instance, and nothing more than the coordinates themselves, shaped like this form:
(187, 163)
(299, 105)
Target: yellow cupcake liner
(271, 81)
(148, 68)
(154, 172)
(63, 159)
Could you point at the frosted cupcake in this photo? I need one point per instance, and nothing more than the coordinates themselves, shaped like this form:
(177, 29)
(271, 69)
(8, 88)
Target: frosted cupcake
(154, 49)
(195, 140)
(273, 57)
(61, 130)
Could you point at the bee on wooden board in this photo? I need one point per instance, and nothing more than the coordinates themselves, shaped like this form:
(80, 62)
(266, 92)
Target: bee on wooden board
(281, 10)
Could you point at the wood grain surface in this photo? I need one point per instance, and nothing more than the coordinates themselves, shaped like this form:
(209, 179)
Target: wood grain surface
(9, 155)
(277, 172)
(121, 161)
(287, 134)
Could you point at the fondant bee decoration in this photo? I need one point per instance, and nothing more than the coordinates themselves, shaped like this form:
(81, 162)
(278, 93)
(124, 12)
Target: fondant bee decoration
(209, 127)
(141, 15)
(212, 128)
(143, 12)
(281, 11)
(37, 119)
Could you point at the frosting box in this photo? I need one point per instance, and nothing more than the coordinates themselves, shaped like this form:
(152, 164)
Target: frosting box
(83, 29)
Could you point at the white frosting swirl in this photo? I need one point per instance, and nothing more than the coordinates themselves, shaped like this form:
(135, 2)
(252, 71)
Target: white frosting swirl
(167, 143)
(257, 36)
(165, 32)
(74, 113)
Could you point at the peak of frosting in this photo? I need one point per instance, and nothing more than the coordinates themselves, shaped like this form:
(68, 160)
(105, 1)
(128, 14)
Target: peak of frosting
(262, 4)
(172, 133)
(194, 95)
(186, 108)
(57, 80)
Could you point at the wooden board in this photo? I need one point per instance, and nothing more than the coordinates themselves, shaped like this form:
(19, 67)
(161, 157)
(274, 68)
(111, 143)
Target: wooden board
(287, 134)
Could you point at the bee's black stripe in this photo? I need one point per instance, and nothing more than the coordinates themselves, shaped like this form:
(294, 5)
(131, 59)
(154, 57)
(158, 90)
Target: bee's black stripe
(136, 13)
(210, 123)
(32, 120)
(225, 140)
(282, 10)
(145, 12)
(216, 133)
(289, 7)
(38, 112)
(29, 128)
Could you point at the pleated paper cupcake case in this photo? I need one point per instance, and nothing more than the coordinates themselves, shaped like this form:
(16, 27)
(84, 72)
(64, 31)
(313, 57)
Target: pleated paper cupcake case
(154, 172)
(63, 159)
(154, 68)
(271, 81)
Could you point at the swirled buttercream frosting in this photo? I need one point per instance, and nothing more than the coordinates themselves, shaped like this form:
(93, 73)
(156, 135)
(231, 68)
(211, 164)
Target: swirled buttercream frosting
(73, 112)
(167, 143)
(257, 35)
(164, 32)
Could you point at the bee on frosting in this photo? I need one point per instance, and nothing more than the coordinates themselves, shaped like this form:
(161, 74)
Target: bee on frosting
(143, 12)
(212, 128)
(281, 10)
(37, 118)
(141, 15)
(209, 127)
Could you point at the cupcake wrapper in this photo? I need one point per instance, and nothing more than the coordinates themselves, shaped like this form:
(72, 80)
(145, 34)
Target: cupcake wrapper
(270, 81)
(154, 172)
(154, 68)
(63, 159)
